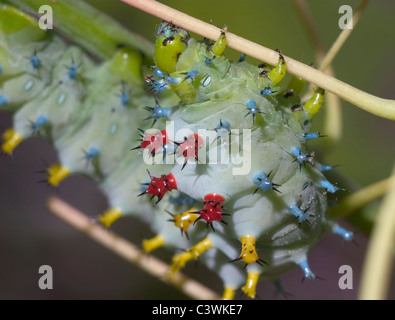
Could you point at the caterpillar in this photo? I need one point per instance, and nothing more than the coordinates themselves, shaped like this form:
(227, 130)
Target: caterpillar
(248, 222)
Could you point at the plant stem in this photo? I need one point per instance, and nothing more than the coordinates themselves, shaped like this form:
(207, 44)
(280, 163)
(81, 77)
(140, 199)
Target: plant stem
(127, 250)
(360, 198)
(381, 107)
(333, 114)
(88, 27)
(377, 267)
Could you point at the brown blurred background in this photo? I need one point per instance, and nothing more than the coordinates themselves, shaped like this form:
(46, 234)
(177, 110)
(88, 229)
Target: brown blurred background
(31, 237)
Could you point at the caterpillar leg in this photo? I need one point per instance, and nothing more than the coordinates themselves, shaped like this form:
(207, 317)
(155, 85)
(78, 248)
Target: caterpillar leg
(110, 216)
(57, 173)
(179, 260)
(249, 288)
(11, 139)
(153, 243)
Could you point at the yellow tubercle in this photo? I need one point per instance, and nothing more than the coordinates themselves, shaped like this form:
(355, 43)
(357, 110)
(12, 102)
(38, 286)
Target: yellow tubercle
(314, 104)
(153, 243)
(185, 219)
(110, 216)
(278, 72)
(229, 293)
(179, 260)
(250, 287)
(248, 249)
(220, 45)
(201, 247)
(57, 173)
(11, 140)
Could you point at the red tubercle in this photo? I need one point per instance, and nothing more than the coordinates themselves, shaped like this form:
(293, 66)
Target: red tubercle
(159, 186)
(212, 210)
(214, 197)
(190, 146)
(171, 181)
(154, 141)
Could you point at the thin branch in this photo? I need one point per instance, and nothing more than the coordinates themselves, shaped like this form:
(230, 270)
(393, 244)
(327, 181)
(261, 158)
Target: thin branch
(127, 250)
(310, 27)
(360, 198)
(381, 107)
(377, 267)
(333, 114)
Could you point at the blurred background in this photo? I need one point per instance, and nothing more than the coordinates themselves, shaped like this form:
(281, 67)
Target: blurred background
(31, 237)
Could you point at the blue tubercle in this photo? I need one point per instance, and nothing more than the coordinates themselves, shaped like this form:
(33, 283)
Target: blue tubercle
(168, 33)
(208, 61)
(158, 73)
(158, 85)
(252, 108)
(161, 27)
(346, 235)
(125, 98)
(222, 129)
(1, 68)
(191, 74)
(299, 156)
(329, 186)
(262, 180)
(41, 121)
(311, 135)
(158, 112)
(3, 100)
(92, 154)
(242, 57)
(325, 167)
(35, 62)
(306, 270)
(72, 71)
(267, 91)
(301, 215)
(251, 104)
(171, 80)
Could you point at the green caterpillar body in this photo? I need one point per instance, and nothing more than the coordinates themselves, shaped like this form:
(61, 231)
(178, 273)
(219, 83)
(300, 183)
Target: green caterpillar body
(231, 148)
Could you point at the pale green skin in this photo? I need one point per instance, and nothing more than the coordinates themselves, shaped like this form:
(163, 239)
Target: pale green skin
(281, 240)
(82, 122)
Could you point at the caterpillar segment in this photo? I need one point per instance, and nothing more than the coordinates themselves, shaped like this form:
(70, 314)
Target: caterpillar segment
(49, 113)
(19, 70)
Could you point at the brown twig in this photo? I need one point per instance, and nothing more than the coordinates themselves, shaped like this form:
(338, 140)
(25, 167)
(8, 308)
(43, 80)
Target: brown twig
(127, 250)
